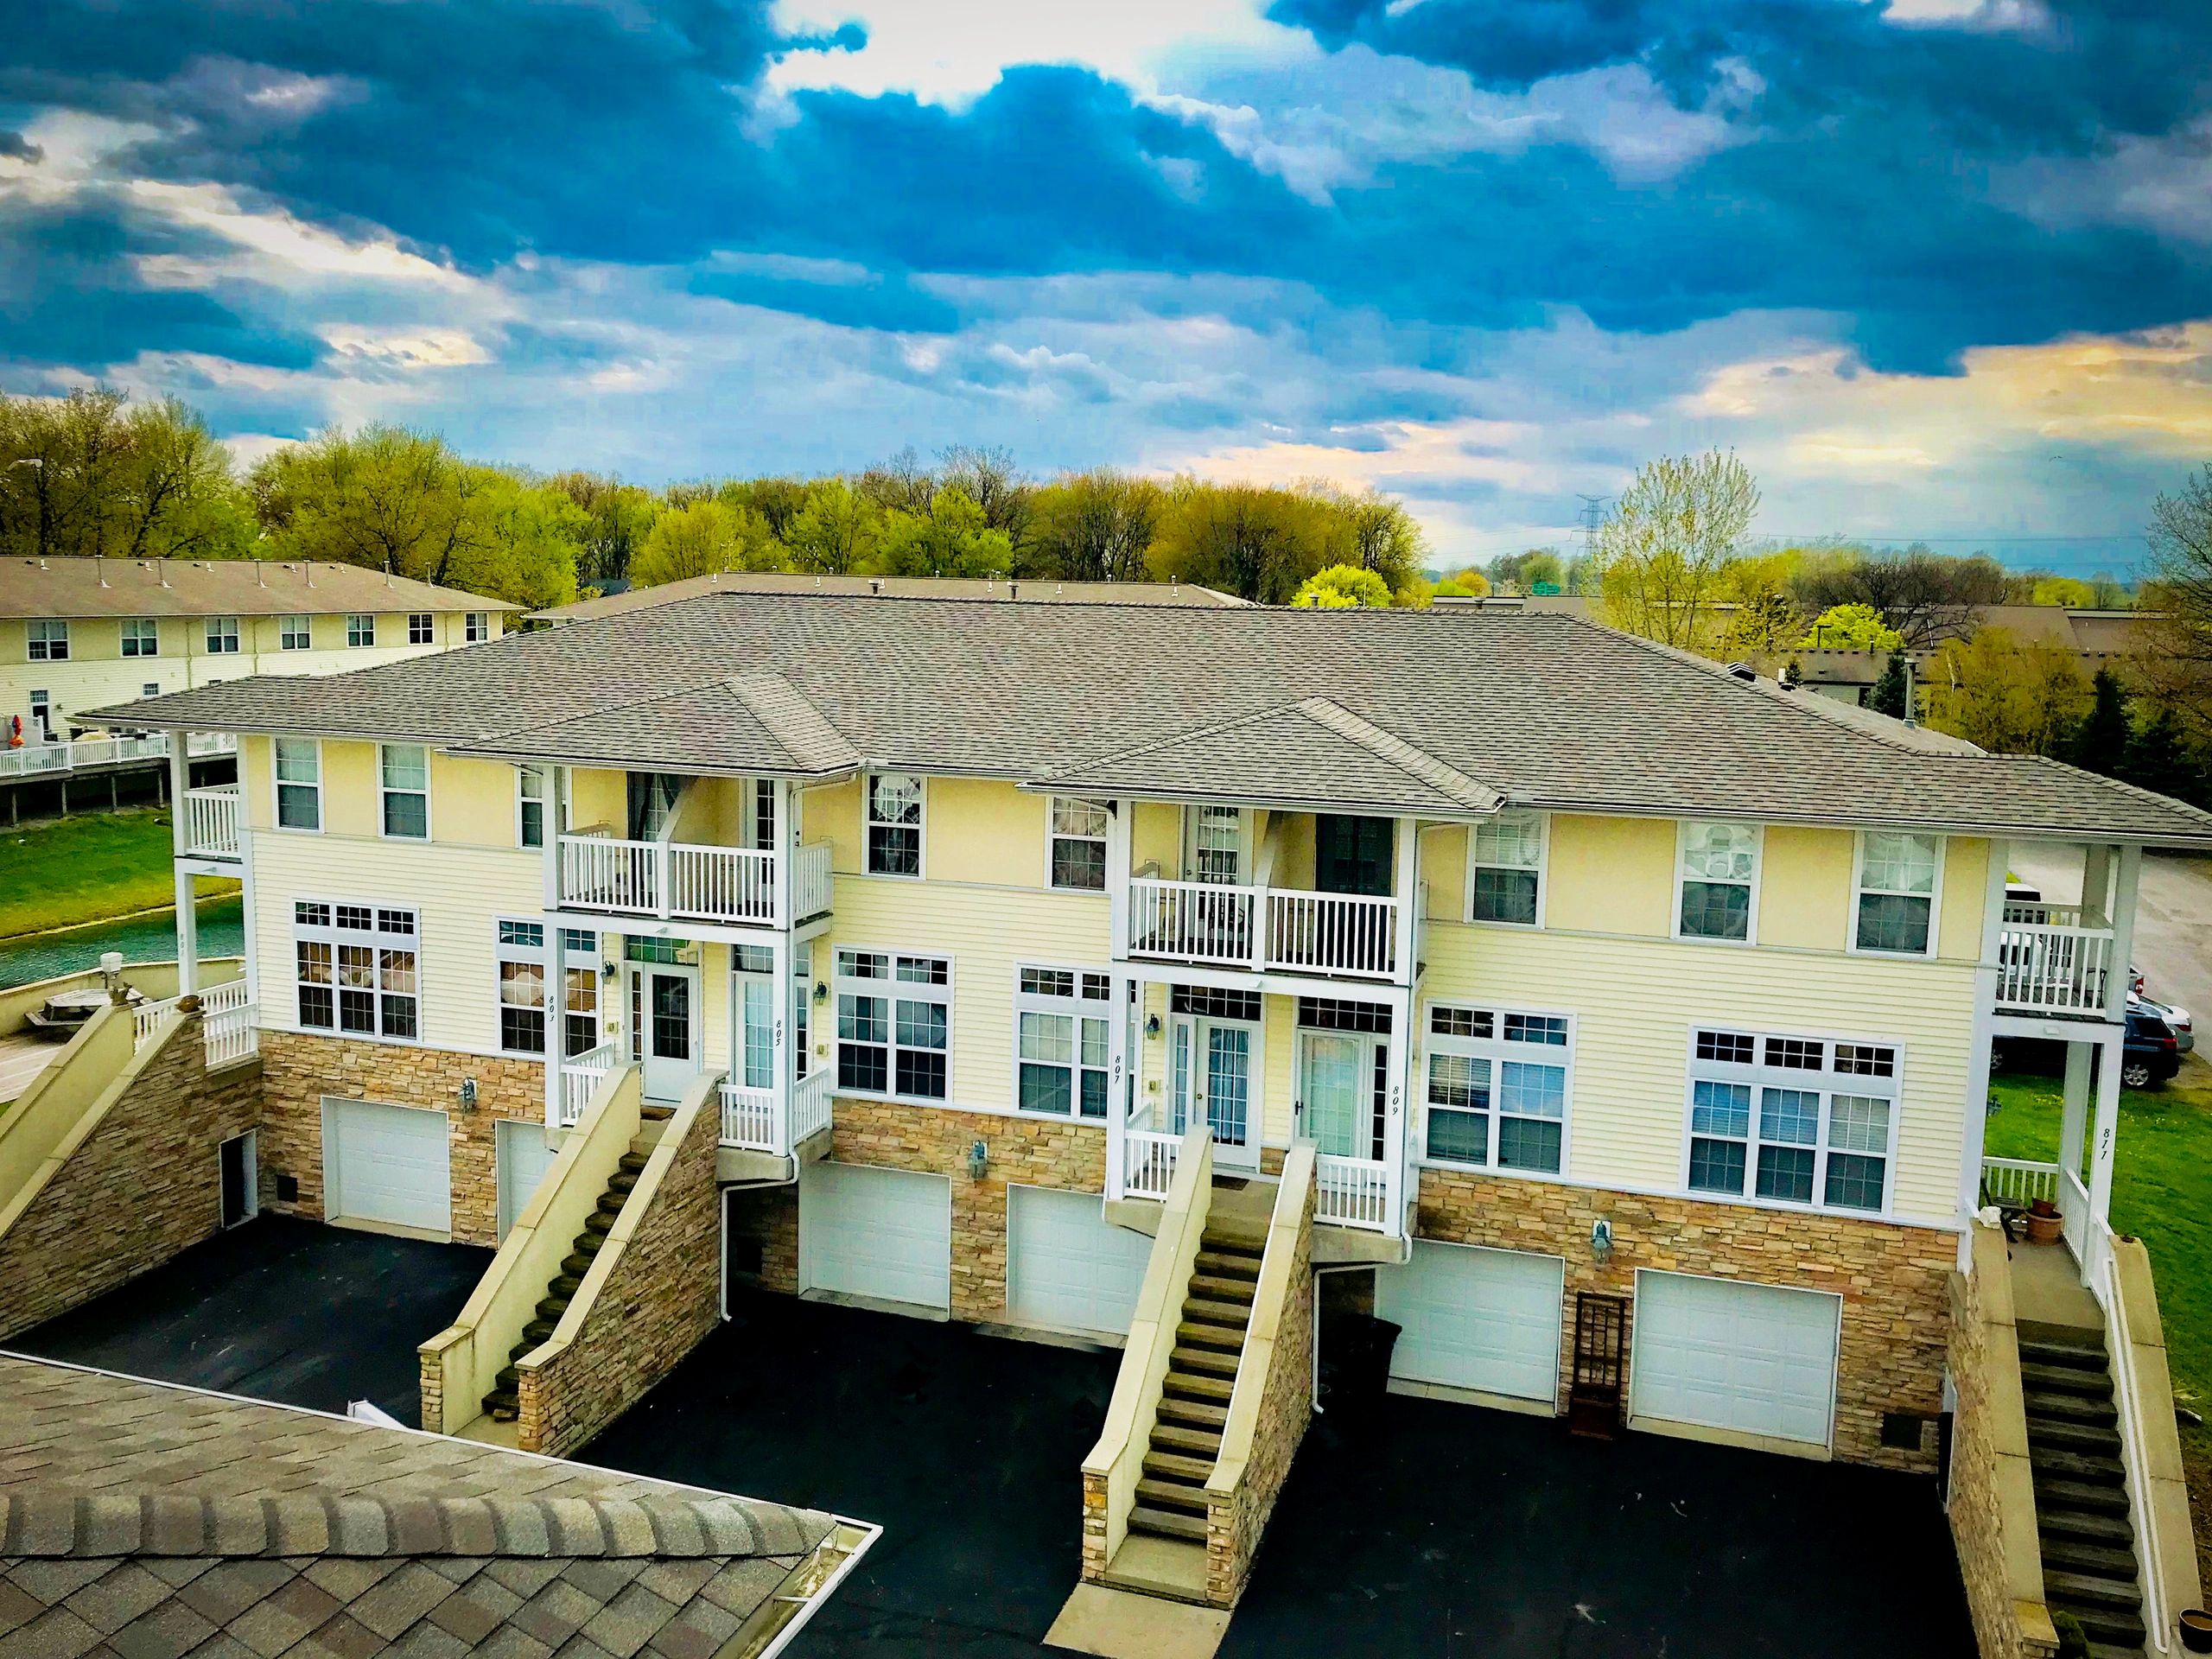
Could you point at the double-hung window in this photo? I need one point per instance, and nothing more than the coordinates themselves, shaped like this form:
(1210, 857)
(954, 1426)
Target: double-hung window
(49, 639)
(141, 637)
(1497, 1088)
(222, 636)
(1793, 1120)
(1506, 868)
(895, 823)
(894, 1023)
(422, 629)
(299, 784)
(1719, 867)
(522, 987)
(530, 805)
(294, 633)
(1078, 843)
(355, 967)
(404, 776)
(1895, 911)
(360, 630)
(1060, 1016)
(477, 628)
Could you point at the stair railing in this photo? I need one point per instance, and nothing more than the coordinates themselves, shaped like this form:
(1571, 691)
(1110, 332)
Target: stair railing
(2165, 1551)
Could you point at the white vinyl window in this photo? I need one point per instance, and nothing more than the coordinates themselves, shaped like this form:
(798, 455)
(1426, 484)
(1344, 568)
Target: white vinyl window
(895, 823)
(894, 1023)
(1497, 1088)
(1078, 841)
(222, 636)
(1792, 1120)
(294, 633)
(422, 629)
(299, 784)
(1895, 912)
(1506, 869)
(48, 641)
(1718, 879)
(355, 967)
(530, 805)
(477, 628)
(1061, 1034)
(404, 774)
(141, 637)
(360, 630)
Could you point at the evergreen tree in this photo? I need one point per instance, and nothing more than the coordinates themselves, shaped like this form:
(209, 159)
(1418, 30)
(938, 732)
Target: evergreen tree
(2157, 757)
(2101, 744)
(1891, 692)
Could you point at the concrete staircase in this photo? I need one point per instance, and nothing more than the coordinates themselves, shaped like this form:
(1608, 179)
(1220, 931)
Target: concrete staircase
(502, 1404)
(2088, 1538)
(1201, 1378)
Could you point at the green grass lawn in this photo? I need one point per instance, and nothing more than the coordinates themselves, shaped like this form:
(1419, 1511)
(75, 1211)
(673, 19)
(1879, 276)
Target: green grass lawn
(86, 869)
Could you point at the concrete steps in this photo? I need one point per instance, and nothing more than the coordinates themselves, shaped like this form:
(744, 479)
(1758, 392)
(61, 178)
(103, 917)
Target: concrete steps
(2089, 1567)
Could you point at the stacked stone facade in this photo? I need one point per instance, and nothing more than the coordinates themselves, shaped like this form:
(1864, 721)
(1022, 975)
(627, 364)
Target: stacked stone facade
(1894, 1281)
(299, 1069)
(143, 1184)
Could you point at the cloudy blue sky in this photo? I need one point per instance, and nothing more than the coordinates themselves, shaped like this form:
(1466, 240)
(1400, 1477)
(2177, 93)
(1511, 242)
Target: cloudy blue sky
(1938, 268)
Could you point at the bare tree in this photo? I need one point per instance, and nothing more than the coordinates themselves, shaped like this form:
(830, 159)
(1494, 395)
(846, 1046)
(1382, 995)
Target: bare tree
(1669, 537)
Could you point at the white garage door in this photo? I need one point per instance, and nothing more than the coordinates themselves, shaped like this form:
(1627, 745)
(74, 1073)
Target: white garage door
(386, 1164)
(1757, 1359)
(882, 1233)
(1068, 1267)
(524, 1156)
(1475, 1318)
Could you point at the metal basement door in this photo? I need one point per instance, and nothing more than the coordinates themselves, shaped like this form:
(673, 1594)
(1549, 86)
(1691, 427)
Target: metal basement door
(1480, 1319)
(1714, 1353)
(885, 1234)
(1068, 1267)
(388, 1165)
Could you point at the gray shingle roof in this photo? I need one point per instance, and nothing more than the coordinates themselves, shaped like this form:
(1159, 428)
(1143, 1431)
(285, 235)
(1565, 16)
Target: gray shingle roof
(1548, 710)
(137, 1517)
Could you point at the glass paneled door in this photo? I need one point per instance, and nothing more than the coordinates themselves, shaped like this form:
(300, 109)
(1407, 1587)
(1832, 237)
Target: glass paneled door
(1340, 1092)
(1212, 1066)
(664, 1028)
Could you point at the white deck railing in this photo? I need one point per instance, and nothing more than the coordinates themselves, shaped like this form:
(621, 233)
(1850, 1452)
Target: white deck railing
(688, 881)
(2047, 969)
(2018, 1181)
(1262, 928)
(211, 822)
(1148, 1166)
(1353, 1192)
(580, 1076)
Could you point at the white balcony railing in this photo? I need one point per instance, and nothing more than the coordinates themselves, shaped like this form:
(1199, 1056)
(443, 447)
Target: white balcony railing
(2018, 1181)
(688, 881)
(1262, 928)
(1149, 1165)
(580, 1078)
(811, 883)
(211, 822)
(2047, 967)
(1353, 1192)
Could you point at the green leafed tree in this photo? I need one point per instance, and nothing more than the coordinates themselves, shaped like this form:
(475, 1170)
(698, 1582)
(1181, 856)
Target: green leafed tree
(1343, 588)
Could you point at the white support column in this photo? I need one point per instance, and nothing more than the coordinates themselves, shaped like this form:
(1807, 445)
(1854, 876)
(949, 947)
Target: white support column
(187, 916)
(1405, 870)
(2128, 872)
(2102, 1143)
(556, 997)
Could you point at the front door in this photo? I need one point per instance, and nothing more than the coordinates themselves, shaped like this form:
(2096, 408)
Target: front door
(1213, 1071)
(1352, 854)
(664, 1027)
(1339, 1074)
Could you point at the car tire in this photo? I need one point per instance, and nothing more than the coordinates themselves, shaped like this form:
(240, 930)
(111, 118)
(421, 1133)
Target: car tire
(2135, 1074)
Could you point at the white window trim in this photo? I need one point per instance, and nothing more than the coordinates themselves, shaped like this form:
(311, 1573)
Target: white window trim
(125, 638)
(429, 829)
(922, 840)
(1073, 1008)
(369, 644)
(1105, 840)
(891, 991)
(546, 828)
(1758, 876)
(39, 631)
(1826, 1082)
(306, 631)
(1496, 1050)
(542, 957)
(1934, 900)
(292, 941)
(1543, 878)
(277, 786)
(235, 633)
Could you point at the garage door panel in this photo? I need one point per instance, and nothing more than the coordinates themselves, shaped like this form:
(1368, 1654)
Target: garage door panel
(884, 1234)
(1480, 1319)
(1068, 1267)
(387, 1164)
(1754, 1359)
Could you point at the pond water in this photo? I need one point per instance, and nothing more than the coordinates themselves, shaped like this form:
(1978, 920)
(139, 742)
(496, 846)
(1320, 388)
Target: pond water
(141, 938)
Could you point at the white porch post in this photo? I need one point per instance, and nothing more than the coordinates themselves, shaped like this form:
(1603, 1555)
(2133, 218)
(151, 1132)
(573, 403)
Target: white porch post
(1405, 870)
(188, 917)
(2102, 1146)
(2122, 920)
(556, 1002)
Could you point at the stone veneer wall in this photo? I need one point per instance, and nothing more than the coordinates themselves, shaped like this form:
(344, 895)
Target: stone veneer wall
(298, 1069)
(1894, 1281)
(145, 1184)
(662, 1296)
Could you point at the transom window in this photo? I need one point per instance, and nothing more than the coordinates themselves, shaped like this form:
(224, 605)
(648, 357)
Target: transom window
(1496, 1087)
(1078, 843)
(222, 636)
(1719, 863)
(1895, 909)
(476, 627)
(895, 823)
(404, 776)
(360, 629)
(294, 633)
(355, 968)
(1506, 868)
(894, 1023)
(1060, 1016)
(422, 629)
(49, 639)
(1792, 1120)
(299, 784)
(141, 637)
